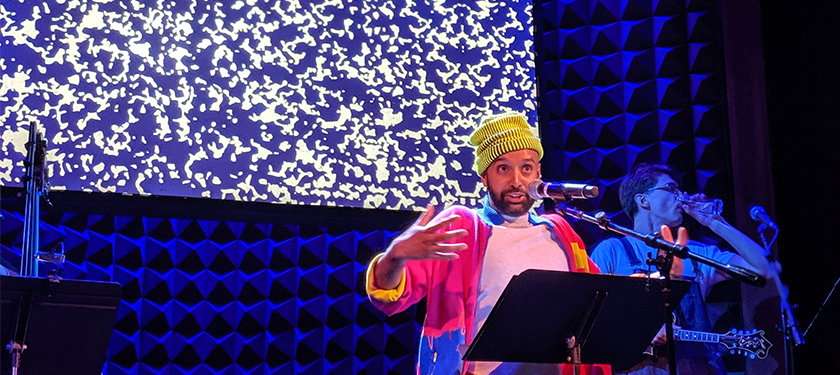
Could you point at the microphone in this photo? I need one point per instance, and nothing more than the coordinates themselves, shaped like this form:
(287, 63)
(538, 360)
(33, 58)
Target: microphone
(757, 213)
(561, 191)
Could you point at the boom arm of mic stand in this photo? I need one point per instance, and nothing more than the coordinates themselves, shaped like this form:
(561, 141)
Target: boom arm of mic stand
(600, 219)
(736, 272)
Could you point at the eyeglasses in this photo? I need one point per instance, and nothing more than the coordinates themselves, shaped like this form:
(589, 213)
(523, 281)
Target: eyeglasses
(669, 187)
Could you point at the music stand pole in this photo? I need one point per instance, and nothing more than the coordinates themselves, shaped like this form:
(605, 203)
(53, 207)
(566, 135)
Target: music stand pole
(663, 262)
(581, 334)
(16, 350)
(17, 344)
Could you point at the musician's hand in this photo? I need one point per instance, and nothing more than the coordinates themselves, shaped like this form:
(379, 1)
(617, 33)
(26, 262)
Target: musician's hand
(682, 235)
(703, 218)
(677, 266)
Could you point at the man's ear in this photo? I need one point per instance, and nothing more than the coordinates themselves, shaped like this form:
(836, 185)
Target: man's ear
(484, 178)
(642, 201)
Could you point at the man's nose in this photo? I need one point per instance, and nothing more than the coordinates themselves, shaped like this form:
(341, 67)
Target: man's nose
(517, 178)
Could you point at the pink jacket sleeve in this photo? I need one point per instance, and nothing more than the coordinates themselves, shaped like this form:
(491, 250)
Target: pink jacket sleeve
(421, 275)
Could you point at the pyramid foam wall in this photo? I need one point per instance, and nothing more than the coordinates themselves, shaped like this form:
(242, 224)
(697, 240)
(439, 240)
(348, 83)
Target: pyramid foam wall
(624, 82)
(220, 297)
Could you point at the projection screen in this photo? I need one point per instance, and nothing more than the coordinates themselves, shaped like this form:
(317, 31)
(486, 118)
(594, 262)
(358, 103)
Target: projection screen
(335, 103)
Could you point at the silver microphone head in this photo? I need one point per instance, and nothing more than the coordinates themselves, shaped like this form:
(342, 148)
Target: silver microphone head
(561, 191)
(534, 190)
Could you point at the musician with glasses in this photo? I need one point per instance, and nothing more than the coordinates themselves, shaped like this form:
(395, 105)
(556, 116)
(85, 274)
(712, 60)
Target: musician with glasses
(648, 196)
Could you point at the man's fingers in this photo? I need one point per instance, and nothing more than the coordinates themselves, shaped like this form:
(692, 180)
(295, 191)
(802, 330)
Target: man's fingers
(449, 247)
(665, 231)
(445, 251)
(682, 236)
(426, 216)
(451, 234)
(444, 222)
(444, 256)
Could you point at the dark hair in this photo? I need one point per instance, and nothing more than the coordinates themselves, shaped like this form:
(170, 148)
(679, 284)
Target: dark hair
(641, 178)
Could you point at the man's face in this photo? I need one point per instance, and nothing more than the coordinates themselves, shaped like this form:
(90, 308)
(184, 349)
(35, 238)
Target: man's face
(507, 180)
(664, 207)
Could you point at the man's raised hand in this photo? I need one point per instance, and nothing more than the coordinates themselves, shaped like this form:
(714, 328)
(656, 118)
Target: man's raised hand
(422, 240)
(677, 266)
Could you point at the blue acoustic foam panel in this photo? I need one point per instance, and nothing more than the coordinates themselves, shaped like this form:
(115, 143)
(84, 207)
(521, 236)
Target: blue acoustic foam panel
(220, 297)
(624, 82)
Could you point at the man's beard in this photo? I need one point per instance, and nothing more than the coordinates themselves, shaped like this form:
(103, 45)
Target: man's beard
(508, 209)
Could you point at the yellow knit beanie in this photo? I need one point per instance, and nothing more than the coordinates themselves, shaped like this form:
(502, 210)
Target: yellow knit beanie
(500, 134)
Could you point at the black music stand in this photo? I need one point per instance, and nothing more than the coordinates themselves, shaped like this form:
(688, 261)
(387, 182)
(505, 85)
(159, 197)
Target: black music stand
(613, 318)
(65, 325)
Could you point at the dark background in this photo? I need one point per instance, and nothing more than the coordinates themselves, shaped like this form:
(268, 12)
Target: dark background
(802, 64)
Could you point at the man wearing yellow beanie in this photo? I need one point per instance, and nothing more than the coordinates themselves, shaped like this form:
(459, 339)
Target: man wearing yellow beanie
(499, 135)
(462, 259)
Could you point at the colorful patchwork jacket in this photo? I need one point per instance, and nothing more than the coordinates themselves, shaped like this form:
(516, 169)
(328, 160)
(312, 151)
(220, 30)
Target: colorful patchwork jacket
(451, 287)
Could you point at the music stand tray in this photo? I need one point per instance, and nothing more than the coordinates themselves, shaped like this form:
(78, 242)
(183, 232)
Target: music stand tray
(65, 324)
(612, 317)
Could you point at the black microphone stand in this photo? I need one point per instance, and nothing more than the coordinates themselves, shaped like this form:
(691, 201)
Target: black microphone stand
(790, 327)
(664, 259)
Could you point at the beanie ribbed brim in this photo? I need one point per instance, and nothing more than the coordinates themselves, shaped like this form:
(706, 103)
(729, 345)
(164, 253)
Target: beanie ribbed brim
(500, 134)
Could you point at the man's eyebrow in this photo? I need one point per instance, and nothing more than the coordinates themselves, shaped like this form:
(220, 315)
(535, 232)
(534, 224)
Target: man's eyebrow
(505, 159)
(530, 159)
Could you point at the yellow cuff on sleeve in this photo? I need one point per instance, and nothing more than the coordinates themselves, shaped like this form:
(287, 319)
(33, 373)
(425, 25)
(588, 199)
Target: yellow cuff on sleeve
(383, 295)
(581, 261)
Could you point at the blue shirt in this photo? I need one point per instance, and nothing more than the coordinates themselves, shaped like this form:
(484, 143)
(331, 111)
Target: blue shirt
(612, 258)
(692, 358)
